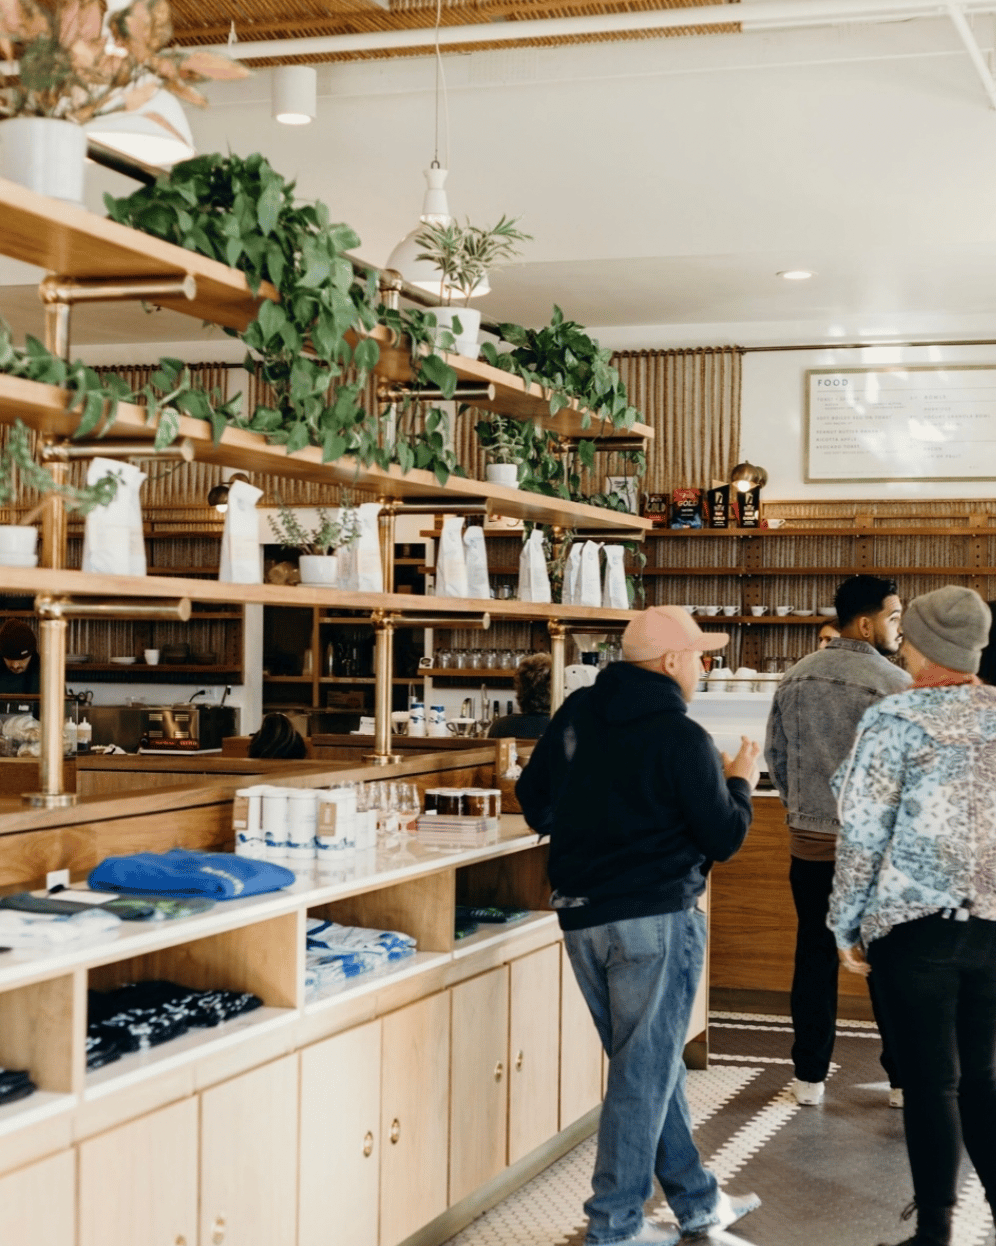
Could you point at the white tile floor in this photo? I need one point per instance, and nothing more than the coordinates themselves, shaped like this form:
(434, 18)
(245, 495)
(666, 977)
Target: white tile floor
(835, 1175)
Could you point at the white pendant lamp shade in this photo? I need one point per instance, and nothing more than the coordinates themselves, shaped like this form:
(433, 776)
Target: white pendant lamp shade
(143, 136)
(295, 94)
(403, 259)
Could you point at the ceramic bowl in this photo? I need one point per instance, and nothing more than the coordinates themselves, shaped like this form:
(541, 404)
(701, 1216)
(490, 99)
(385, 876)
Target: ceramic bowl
(826, 611)
(123, 661)
(711, 611)
(803, 614)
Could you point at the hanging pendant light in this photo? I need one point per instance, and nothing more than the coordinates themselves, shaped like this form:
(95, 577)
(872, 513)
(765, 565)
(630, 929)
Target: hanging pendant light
(295, 94)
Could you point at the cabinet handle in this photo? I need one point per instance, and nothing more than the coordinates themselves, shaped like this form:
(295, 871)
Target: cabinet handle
(519, 1061)
(499, 1070)
(218, 1231)
(395, 1133)
(368, 1144)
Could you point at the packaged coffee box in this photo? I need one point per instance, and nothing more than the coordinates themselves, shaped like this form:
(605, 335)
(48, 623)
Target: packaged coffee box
(718, 506)
(686, 508)
(750, 508)
(655, 509)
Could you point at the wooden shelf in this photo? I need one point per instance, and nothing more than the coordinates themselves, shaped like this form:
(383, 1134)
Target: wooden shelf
(72, 242)
(44, 409)
(921, 530)
(470, 672)
(512, 397)
(746, 573)
(23, 582)
(160, 668)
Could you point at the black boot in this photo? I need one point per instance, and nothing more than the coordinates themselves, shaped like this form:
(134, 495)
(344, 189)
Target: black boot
(933, 1226)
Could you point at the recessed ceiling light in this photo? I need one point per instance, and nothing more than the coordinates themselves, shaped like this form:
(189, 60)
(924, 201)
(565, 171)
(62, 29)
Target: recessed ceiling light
(796, 274)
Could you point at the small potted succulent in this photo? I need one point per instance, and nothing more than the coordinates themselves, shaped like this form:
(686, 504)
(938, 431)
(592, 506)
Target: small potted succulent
(503, 439)
(319, 562)
(464, 255)
(67, 63)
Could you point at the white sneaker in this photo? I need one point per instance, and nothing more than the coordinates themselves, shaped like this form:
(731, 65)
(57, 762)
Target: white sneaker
(808, 1094)
(655, 1235)
(895, 1096)
(728, 1210)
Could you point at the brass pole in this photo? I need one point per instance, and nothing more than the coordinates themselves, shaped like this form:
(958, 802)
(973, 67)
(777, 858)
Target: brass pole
(558, 634)
(63, 451)
(64, 291)
(53, 524)
(51, 704)
(385, 522)
(383, 625)
(57, 316)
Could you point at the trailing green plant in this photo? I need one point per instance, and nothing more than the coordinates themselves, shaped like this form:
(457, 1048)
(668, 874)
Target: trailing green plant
(20, 471)
(331, 533)
(564, 359)
(503, 438)
(244, 214)
(465, 254)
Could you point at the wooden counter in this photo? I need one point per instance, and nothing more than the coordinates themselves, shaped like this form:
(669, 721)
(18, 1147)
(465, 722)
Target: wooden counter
(752, 929)
(100, 775)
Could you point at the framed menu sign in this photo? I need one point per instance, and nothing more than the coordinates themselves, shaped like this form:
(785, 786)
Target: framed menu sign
(914, 423)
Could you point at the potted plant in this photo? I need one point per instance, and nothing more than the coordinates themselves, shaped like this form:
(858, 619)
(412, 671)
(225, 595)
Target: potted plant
(319, 562)
(503, 439)
(464, 254)
(18, 472)
(71, 61)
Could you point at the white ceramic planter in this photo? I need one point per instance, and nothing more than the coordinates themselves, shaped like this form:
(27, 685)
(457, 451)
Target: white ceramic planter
(470, 327)
(45, 155)
(320, 570)
(502, 474)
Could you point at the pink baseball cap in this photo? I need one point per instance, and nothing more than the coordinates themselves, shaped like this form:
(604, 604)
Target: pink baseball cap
(666, 629)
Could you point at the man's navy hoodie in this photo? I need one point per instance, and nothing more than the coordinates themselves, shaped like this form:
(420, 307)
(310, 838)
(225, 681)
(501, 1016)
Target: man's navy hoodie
(632, 794)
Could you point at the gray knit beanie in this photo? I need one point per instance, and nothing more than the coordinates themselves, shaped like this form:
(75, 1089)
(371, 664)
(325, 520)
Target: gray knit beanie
(949, 626)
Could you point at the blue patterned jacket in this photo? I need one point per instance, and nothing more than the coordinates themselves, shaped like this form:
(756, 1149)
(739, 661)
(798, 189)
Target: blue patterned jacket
(917, 805)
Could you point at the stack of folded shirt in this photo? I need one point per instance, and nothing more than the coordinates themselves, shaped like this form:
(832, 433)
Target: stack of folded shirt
(36, 932)
(15, 1084)
(140, 1015)
(336, 953)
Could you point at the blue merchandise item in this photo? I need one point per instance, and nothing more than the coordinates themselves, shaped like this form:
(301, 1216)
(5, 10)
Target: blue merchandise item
(181, 873)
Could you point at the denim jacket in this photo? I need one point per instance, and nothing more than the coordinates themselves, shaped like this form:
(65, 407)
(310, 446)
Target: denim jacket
(813, 721)
(918, 816)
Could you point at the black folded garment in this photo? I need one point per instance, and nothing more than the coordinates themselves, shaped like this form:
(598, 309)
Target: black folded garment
(15, 1084)
(101, 1049)
(140, 1015)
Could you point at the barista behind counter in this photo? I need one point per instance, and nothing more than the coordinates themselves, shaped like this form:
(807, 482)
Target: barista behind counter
(20, 665)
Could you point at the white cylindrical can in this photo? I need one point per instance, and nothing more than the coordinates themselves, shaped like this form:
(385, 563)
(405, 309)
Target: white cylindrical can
(416, 718)
(335, 834)
(247, 821)
(302, 816)
(437, 721)
(275, 822)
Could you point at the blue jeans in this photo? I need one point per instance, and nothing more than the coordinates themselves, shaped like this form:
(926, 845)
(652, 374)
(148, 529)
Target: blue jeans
(639, 979)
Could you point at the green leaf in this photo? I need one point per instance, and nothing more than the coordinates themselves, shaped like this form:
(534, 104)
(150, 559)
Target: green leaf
(439, 373)
(297, 438)
(367, 354)
(168, 428)
(272, 319)
(268, 211)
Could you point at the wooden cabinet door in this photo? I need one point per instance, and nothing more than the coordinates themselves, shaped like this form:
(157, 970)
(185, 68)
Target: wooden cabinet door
(414, 1116)
(580, 1050)
(340, 1139)
(533, 1051)
(249, 1158)
(138, 1183)
(479, 1095)
(38, 1203)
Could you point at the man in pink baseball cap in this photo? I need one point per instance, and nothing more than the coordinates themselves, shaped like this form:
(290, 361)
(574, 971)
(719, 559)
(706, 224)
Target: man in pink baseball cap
(638, 803)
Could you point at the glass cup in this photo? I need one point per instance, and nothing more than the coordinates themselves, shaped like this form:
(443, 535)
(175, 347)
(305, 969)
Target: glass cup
(506, 660)
(489, 658)
(444, 658)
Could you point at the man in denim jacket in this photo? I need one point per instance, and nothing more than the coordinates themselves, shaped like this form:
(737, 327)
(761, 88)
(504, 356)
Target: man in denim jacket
(811, 728)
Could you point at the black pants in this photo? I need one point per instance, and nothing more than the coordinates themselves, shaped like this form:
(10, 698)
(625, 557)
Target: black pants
(936, 980)
(814, 982)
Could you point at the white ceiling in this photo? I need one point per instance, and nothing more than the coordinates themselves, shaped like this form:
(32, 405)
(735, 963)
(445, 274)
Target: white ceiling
(665, 181)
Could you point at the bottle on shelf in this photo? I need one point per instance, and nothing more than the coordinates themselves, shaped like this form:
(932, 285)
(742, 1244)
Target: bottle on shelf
(84, 736)
(495, 711)
(508, 708)
(330, 658)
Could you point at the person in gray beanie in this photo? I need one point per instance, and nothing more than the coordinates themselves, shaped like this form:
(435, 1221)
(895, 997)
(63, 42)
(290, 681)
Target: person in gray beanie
(914, 894)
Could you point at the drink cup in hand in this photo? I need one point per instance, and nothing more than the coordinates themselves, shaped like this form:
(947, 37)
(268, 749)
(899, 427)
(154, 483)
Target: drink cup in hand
(746, 764)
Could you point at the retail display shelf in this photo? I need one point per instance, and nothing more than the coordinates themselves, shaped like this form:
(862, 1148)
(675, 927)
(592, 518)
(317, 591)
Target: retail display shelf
(399, 971)
(490, 935)
(45, 408)
(41, 1106)
(138, 1066)
(20, 581)
(793, 529)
